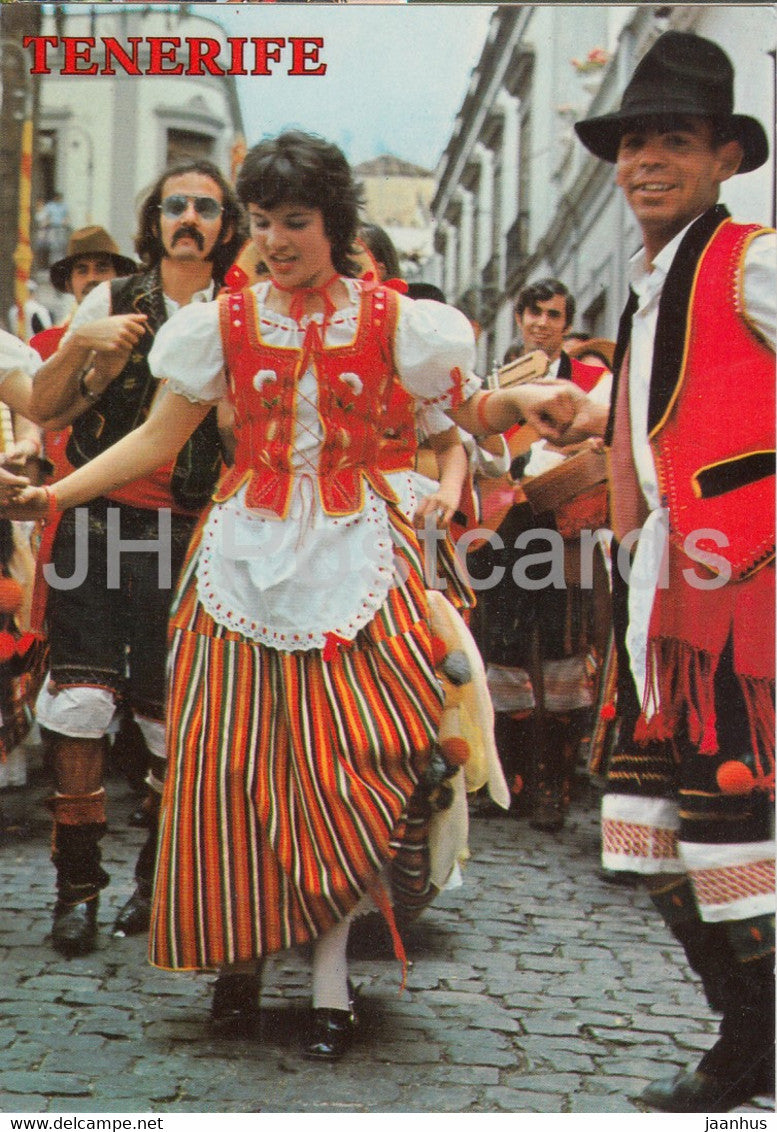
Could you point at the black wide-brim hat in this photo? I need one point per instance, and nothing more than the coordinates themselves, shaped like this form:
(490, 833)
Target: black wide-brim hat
(682, 75)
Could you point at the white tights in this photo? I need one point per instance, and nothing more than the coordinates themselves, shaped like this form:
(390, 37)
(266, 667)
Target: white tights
(330, 965)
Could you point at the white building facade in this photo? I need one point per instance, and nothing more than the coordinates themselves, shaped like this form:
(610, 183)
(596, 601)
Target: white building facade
(518, 197)
(103, 140)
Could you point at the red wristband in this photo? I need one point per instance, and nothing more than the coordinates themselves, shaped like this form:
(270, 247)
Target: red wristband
(52, 507)
(480, 413)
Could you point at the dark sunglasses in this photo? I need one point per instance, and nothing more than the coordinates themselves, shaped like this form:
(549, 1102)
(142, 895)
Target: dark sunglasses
(206, 207)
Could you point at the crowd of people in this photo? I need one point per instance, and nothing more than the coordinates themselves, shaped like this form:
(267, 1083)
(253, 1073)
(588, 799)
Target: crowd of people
(250, 401)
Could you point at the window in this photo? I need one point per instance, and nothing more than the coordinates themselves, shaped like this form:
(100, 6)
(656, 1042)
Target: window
(182, 144)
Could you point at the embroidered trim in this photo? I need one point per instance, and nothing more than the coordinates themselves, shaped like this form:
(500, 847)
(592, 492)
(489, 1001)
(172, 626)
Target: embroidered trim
(735, 882)
(629, 839)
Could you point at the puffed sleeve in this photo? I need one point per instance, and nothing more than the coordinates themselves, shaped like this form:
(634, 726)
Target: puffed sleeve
(15, 355)
(431, 420)
(187, 353)
(435, 352)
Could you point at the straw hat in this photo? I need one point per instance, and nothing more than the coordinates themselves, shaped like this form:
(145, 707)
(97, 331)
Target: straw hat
(93, 240)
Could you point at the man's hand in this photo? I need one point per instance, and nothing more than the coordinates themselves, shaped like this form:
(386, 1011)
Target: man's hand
(10, 487)
(111, 341)
(119, 332)
(17, 454)
(561, 413)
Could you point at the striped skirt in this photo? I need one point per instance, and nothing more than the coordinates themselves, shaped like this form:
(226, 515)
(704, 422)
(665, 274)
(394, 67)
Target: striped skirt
(288, 777)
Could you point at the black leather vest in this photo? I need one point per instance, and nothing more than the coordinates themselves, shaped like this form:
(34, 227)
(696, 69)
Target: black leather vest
(126, 402)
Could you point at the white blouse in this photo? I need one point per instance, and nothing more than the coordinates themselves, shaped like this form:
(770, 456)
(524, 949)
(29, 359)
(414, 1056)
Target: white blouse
(287, 583)
(15, 356)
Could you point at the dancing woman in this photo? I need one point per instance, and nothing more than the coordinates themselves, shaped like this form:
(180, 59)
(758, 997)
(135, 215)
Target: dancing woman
(303, 702)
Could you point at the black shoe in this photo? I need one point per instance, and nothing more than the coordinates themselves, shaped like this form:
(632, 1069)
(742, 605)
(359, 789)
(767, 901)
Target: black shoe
(548, 814)
(619, 876)
(234, 1011)
(74, 931)
(700, 1092)
(139, 818)
(135, 916)
(331, 1034)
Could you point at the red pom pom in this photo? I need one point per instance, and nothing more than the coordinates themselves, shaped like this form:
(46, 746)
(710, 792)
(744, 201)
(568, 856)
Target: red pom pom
(439, 651)
(735, 778)
(517, 784)
(455, 751)
(25, 643)
(11, 595)
(7, 646)
(607, 712)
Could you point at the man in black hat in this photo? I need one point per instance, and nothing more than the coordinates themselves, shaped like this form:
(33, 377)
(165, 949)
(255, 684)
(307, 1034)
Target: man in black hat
(690, 431)
(107, 633)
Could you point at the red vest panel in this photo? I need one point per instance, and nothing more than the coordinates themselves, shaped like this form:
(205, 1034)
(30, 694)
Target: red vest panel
(355, 383)
(714, 447)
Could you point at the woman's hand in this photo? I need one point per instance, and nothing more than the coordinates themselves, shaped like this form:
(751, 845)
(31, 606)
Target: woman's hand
(441, 505)
(23, 501)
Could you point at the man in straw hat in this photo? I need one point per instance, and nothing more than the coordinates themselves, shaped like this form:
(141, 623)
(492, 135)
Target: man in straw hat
(92, 257)
(691, 780)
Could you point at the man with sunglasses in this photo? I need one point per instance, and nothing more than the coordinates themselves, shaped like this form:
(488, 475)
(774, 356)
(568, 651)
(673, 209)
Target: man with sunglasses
(107, 603)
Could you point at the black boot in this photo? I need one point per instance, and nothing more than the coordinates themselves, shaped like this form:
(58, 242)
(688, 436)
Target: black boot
(740, 1065)
(234, 1011)
(550, 787)
(514, 745)
(706, 945)
(134, 917)
(79, 881)
(74, 929)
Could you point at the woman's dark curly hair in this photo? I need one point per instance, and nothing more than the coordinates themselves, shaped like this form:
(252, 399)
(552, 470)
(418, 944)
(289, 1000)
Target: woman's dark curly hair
(148, 242)
(300, 168)
(382, 248)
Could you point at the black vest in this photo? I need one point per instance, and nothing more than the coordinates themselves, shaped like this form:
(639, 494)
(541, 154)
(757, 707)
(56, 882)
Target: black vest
(126, 402)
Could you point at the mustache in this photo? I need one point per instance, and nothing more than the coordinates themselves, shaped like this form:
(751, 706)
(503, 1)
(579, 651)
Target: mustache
(192, 232)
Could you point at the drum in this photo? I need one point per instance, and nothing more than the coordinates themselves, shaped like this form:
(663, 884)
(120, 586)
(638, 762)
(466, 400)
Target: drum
(574, 491)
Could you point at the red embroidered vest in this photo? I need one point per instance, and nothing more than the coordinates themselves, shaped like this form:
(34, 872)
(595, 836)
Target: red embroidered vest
(354, 386)
(399, 443)
(724, 404)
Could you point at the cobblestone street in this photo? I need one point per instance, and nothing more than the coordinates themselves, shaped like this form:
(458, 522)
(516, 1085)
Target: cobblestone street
(536, 987)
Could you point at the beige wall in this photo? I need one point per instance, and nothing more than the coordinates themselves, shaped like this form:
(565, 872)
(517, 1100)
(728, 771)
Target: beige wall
(398, 201)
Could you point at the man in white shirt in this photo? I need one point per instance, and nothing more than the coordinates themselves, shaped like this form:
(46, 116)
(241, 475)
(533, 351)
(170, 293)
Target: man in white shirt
(36, 316)
(539, 641)
(108, 638)
(692, 458)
